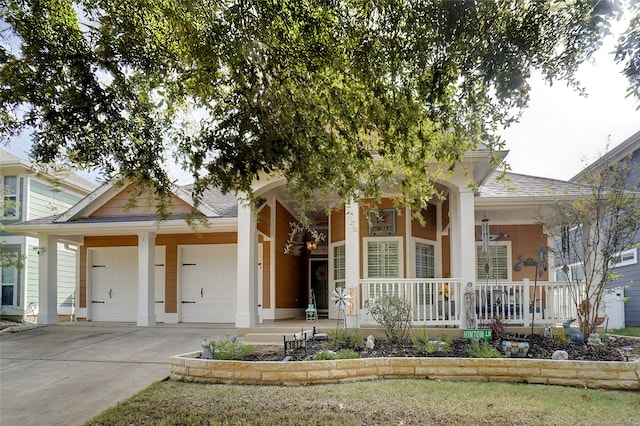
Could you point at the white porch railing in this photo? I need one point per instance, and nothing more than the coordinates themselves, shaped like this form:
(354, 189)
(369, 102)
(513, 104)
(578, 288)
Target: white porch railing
(440, 301)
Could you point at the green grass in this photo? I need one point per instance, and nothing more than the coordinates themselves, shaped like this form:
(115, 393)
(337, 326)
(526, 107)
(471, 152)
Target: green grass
(380, 402)
(627, 331)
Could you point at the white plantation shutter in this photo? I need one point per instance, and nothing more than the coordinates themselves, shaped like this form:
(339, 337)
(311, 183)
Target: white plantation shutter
(383, 259)
(339, 265)
(497, 259)
(425, 261)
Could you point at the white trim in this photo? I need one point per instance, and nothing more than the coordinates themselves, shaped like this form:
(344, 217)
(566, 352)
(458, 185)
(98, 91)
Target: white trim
(632, 258)
(333, 312)
(365, 257)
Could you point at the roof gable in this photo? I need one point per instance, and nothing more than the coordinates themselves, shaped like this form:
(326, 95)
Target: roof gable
(128, 201)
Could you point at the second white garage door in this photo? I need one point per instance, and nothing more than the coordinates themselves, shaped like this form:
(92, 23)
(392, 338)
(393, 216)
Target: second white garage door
(208, 283)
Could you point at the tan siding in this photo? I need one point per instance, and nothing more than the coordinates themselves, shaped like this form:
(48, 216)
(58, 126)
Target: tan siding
(445, 214)
(446, 256)
(428, 230)
(264, 221)
(171, 279)
(290, 283)
(145, 204)
(337, 226)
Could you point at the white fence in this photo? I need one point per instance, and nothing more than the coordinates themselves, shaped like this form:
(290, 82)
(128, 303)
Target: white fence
(436, 302)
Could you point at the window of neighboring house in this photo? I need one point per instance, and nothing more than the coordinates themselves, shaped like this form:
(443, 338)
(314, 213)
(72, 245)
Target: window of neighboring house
(574, 273)
(8, 282)
(10, 206)
(425, 260)
(383, 258)
(627, 257)
(497, 258)
(339, 265)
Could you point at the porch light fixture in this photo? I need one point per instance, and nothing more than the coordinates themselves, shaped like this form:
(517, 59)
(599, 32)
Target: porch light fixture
(485, 235)
(312, 245)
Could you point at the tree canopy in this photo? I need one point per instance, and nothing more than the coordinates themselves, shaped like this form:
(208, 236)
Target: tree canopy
(340, 97)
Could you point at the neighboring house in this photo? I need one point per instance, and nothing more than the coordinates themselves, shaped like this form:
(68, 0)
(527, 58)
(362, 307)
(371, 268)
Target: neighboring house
(235, 270)
(627, 267)
(28, 196)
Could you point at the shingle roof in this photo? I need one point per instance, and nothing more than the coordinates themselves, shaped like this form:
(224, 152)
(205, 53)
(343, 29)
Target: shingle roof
(225, 204)
(518, 185)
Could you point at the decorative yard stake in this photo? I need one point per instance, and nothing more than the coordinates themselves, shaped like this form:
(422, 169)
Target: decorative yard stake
(341, 298)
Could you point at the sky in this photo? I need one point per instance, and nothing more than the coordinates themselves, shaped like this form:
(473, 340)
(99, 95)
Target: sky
(560, 131)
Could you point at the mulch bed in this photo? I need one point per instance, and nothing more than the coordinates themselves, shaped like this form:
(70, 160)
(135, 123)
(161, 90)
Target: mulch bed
(540, 348)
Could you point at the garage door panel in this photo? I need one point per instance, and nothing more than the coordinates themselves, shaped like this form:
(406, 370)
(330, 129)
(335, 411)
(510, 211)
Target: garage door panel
(208, 283)
(114, 283)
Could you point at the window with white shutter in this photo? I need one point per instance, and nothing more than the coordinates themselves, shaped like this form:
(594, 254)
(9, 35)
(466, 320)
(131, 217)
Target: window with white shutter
(425, 260)
(383, 258)
(339, 265)
(495, 264)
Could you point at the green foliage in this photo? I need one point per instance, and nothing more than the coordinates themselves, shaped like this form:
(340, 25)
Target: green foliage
(346, 339)
(393, 315)
(483, 349)
(236, 89)
(422, 342)
(229, 349)
(330, 355)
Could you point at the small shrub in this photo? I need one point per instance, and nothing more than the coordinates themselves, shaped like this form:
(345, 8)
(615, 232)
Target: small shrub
(230, 349)
(422, 342)
(497, 327)
(347, 354)
(346, 339)
(324, 355)
(483, 349)
(393, 315)
(329, 355)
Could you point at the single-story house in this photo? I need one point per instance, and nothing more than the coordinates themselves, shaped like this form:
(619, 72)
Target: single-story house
(235, 270)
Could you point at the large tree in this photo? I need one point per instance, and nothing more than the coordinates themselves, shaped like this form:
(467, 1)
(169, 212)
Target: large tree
(341, 97)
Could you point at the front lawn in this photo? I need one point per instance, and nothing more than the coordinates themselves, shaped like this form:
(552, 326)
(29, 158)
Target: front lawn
(380, 402)
(627, 331)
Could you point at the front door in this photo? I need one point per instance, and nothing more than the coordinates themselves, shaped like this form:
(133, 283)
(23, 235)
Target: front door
(319, 284)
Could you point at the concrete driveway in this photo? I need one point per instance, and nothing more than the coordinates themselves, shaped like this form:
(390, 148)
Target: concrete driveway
(67, 373)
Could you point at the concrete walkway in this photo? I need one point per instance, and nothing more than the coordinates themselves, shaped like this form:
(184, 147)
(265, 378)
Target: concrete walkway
(66, 374)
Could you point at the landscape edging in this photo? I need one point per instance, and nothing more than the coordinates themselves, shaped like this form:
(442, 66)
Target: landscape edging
(590, 374)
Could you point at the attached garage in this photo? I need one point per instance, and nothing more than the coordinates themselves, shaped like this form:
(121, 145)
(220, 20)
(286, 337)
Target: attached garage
(208, 284)
(114, 283)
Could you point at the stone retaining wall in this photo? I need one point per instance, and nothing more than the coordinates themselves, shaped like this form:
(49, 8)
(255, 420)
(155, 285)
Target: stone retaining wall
(598, 375)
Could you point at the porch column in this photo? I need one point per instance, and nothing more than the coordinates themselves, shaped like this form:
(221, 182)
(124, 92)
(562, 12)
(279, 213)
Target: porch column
(352, 261)
(47, 279)
(247, 266)
(146, 279)
(467, 246)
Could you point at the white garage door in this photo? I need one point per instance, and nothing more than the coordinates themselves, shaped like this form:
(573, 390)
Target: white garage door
(114, 283)
(208, 283)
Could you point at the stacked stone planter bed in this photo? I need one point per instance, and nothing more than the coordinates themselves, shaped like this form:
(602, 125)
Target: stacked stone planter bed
(591, 374)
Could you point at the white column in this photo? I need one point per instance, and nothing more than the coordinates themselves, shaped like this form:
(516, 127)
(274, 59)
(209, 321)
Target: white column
(247, 266)
(467, 245)
(352, 261)
(146, 279)
(454, 233)
(48, 279)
